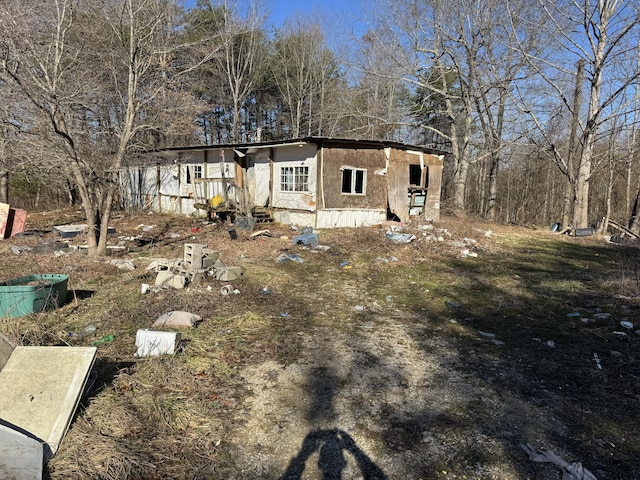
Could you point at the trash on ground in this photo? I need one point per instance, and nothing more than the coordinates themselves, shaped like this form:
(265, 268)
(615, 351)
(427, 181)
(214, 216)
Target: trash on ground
(398, 238)
(451, 304)
(45, 248)
(486, 334)
(32, 294)
(574, 315)
(106, 339)
(306, 238)
(122, 263)
(70, 231)
(626, 324)
(144, 288)
(198, 261)
(153, 343)
(260, 233)
(359, 308)
(36, 411)
(245, 223)
(597, 360)
(12, 220)
(176, 318)
(226, 290)
(289, 257)
(19, 249)
(573, 471)
(602, 316)
(265, 291)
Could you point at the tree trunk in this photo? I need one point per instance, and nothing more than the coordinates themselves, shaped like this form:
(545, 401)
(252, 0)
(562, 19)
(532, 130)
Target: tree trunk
(4, 186)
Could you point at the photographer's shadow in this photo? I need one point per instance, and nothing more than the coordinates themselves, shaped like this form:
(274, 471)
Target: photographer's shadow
(331, 446)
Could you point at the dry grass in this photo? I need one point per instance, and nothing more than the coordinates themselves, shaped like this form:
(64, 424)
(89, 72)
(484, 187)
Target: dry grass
(178, 416)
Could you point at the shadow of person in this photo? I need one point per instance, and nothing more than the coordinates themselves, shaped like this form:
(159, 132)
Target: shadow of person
(331, 446)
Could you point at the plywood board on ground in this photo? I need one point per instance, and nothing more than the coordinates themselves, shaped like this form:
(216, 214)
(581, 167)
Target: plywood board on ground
(41, 388)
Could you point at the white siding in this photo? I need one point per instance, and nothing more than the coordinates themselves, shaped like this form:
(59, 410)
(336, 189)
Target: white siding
(337, 218)
(295, 156)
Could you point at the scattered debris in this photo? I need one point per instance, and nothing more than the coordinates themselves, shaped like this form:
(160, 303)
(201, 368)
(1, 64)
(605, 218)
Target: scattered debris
(451, 304)
(626, 324)
(19, 249)
(289, 257)
(306, 239)
(70, 231)
(197, 262)
(260, 233)
(36, 411)
(32, 294)
(154, 343)
(45, 248)
(12, 220)
(486, 334)
(399, 237)
(265, 291)
(573, 471)
(574, 315)
(597, 360)
(144, 288)
(123, 264)
(176, 318)
(106, 339)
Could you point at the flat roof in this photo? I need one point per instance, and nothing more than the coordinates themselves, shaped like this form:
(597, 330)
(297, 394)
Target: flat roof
(318, 141)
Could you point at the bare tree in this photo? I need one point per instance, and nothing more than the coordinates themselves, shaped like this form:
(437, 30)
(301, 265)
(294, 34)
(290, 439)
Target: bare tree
(98, 72)
(597, 32)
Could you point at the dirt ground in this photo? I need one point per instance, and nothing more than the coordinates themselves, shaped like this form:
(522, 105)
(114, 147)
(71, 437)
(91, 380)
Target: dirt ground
(438, 358)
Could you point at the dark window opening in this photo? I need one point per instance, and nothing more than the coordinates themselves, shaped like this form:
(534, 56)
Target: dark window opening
(346, 180)
(359, 185)
(415, 175)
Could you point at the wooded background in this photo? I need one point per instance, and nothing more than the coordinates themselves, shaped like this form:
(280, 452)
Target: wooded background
(537, 102)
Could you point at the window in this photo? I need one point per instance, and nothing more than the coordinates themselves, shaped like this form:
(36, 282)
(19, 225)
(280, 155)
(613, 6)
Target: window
(354, 181)
(197, 173)
(294, 179)
(415, 175)
(418, 177)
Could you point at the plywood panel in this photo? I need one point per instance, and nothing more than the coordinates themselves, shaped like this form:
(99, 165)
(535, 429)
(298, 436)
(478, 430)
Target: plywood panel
(41, 388)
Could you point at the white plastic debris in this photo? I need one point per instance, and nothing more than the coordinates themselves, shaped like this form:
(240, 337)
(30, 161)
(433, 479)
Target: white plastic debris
(153, 343)
(176, 318)
(573, 471)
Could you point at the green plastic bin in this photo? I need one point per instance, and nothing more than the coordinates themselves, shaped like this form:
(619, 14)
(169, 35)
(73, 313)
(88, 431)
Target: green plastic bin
(32, 294)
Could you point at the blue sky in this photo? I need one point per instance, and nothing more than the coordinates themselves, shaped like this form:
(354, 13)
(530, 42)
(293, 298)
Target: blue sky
(330, 12)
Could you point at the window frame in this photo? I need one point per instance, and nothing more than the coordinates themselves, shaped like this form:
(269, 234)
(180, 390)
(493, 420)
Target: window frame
(354, 181)
(294, 179)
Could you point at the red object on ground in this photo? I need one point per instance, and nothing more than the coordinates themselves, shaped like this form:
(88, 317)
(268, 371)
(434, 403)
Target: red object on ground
(12, 220)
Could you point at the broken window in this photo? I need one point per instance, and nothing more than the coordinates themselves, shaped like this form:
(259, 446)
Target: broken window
(197, 173)
(418, 177)
(354, 181)
(294, 179)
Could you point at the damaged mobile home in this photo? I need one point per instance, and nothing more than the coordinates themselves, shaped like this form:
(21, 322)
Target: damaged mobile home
(316, 181)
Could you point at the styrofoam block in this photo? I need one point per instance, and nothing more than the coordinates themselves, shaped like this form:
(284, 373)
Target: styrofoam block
(153, 343)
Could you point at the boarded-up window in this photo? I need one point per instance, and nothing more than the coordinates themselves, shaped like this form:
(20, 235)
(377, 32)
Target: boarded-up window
(294, 179)
(354, 181)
